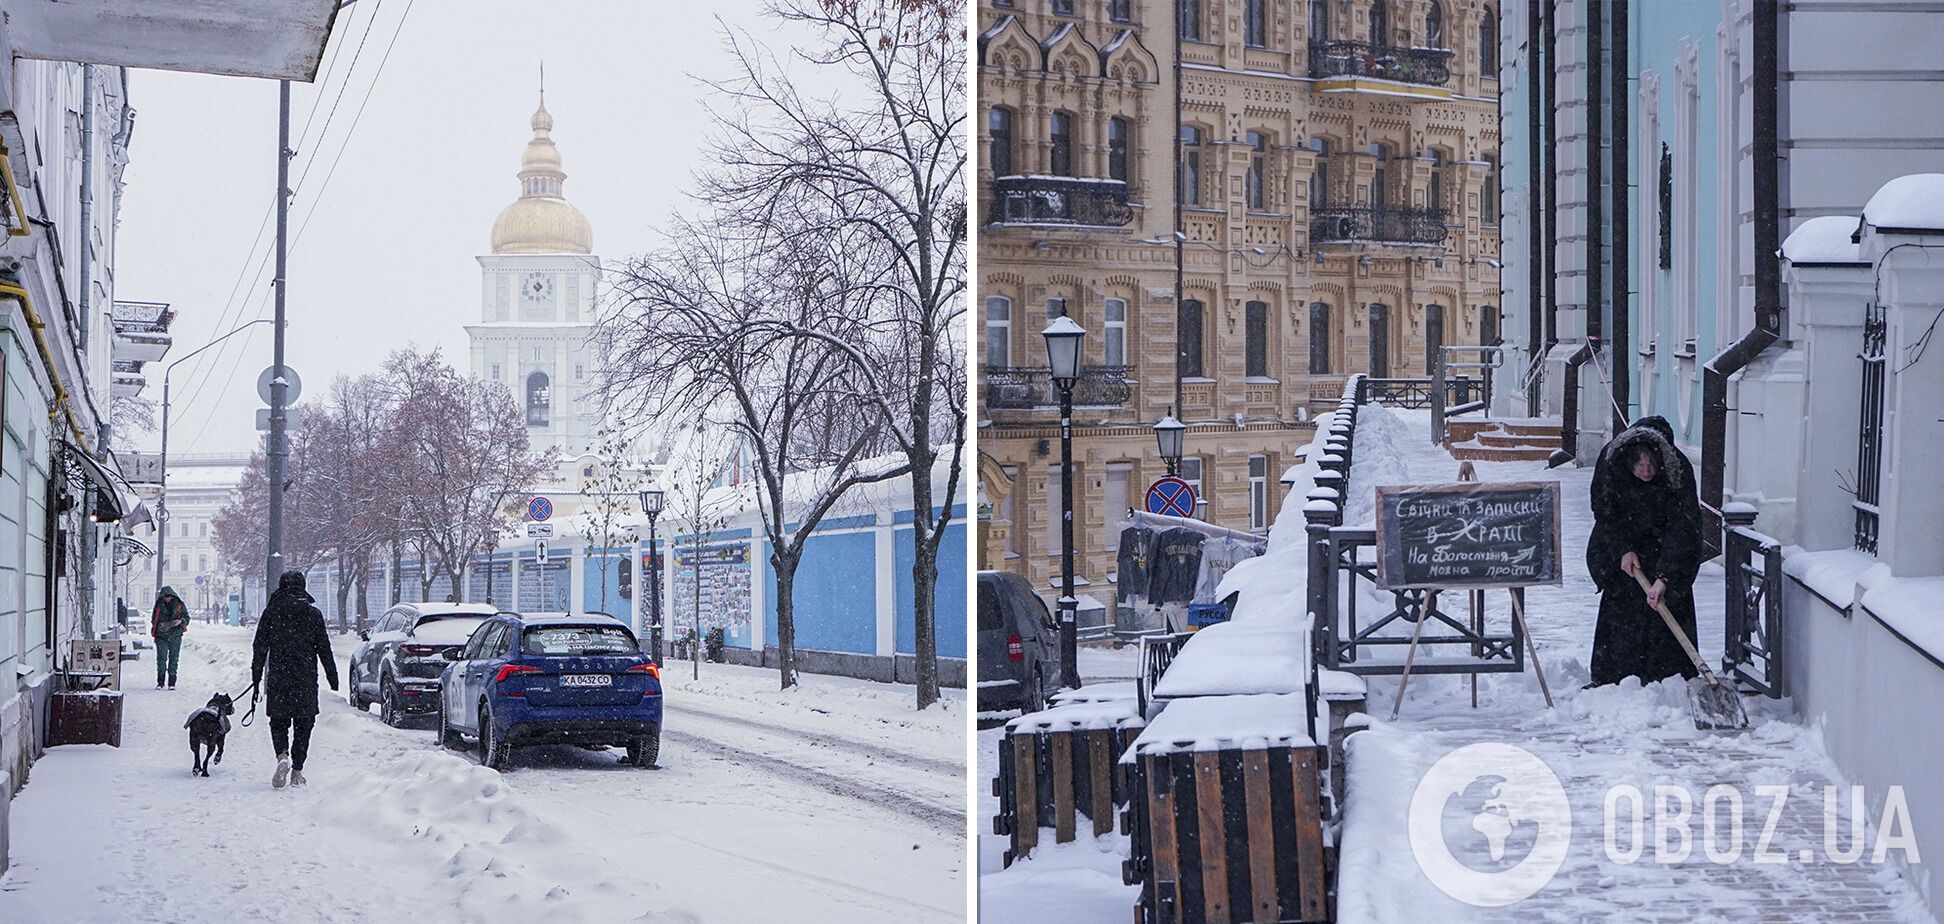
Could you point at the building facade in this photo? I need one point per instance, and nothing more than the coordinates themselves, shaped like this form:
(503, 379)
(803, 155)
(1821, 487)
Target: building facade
(200, 486)
(537, 302)
(1331, 208)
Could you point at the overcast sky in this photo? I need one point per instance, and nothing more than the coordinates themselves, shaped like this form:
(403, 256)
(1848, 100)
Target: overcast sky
(387, 257)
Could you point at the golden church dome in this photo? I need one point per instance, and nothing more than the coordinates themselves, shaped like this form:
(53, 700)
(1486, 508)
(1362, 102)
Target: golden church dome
(541, 221)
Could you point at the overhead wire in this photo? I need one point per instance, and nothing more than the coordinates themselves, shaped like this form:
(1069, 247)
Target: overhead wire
(317, 199)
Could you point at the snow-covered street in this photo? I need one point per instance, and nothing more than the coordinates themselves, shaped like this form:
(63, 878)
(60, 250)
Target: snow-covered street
(1595, 741)
(834, 802)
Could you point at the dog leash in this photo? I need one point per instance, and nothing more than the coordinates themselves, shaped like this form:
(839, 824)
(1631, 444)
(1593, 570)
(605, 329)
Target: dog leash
(248, 716)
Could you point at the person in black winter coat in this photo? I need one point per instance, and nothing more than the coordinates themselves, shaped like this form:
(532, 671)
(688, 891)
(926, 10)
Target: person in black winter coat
(291, 641)
(1646, 517)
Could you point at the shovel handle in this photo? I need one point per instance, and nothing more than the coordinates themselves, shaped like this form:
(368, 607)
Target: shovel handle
(1675, 627)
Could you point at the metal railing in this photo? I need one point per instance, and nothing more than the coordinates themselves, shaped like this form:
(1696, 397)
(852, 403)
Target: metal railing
(1345, 637)
(1157, 652)
(1427, 66)
(1060, 201)
(1381, 224)
(1026, 388)
(1753, 650)
(1869, 440)
(1416, 393)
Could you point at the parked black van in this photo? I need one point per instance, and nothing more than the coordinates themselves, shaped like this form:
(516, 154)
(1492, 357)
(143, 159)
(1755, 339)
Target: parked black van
(1019, 645)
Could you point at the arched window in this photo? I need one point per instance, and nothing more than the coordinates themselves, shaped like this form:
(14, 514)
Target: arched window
(1319, 21)
(1379, 23)
(1258, 156)
(1255, 23)
(999, 125)
(1434, 36)
(1117, 149)
(1256, 340)
(1060, 131)
(1488, 45)
(1190, 336)
(1379, 341)
(1437, 179)
(1319, 339)
(539, 403)
(1191, 139)
(1488, 324)
(998, 332)
(1434, 317)
(1116, 333)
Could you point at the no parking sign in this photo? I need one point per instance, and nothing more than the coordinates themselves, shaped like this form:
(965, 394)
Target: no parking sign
(1171, 496)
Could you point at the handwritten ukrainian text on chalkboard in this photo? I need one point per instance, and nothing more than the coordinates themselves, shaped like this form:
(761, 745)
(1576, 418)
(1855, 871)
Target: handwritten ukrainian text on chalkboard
(1469, 535)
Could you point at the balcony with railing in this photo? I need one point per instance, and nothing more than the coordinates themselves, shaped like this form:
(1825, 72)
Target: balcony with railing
(1059, 200)
(1430, 67)
(1381, 224)
(1028, 388)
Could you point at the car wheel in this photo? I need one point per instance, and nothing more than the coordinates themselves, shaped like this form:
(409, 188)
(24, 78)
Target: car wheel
(447, 737)
(351, 694)
(643, 752)
(492, 751)
(388, 704)
(1036, 693)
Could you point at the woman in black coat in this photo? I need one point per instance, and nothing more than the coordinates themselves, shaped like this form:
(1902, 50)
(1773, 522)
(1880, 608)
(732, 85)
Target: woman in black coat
(292, 641)
(1646, 517)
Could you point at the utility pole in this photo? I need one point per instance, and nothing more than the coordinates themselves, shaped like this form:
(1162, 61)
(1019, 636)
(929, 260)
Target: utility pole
(278, 449)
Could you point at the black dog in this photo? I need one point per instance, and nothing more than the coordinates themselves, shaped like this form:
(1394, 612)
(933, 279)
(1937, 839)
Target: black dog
(208, 727)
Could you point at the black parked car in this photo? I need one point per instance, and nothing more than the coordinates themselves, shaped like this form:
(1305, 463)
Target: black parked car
(1019, 645)
(399, 664)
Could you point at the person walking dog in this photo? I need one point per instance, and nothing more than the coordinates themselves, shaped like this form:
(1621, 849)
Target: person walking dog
(169, 621)
(291, 641)
(1646, 519)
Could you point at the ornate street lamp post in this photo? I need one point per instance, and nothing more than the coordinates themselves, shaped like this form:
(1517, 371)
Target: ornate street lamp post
(651, 503)
(1063, 343)
(1168, 433)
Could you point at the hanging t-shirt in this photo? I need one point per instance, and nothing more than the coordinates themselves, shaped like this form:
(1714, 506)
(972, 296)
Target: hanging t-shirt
(1175, 565)
(1131, 565)
(1218, 556)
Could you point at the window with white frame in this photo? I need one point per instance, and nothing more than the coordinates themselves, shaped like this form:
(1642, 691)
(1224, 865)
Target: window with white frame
(1118, 476)
(1258, 493)
(998, 332)
(1006, 507)
(1115, 338)
(1191, 472)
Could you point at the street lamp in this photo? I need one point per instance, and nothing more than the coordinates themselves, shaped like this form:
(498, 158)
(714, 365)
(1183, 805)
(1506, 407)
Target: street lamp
(1063, 342)
(652, 499)
(162, 496)
(1168, 433)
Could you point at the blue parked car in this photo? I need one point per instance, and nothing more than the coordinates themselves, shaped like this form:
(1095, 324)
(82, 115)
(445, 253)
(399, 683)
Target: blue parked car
(551, 679)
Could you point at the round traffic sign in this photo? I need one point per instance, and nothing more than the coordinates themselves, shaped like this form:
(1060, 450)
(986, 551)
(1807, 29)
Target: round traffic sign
(293, 385)
(1171, 496)
(539, 509)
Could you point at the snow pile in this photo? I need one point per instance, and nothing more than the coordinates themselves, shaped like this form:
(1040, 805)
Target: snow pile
(1831, 575)
(1377, 460)
(825, 703)
(1223, 723)
(1824, 239)
(1911, 608)
(1256, 656)
(1914, 201)
(1075, 883)
(1079, 717)
(499, 860)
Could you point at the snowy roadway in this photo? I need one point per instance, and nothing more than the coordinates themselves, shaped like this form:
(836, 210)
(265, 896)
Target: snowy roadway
(836, 802)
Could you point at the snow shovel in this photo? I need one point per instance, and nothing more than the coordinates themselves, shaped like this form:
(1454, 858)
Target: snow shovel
(1714, 704)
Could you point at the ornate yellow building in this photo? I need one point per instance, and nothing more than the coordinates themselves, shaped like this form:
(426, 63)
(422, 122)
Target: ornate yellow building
(1338, 213)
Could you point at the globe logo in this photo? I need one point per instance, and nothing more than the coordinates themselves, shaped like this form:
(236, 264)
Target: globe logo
(1490, 824)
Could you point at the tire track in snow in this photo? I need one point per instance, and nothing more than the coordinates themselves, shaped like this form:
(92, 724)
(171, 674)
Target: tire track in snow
(874, 752)
(942, 819)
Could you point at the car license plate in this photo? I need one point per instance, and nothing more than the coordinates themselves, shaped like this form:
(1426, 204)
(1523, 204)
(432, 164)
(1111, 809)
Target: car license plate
(587, 680)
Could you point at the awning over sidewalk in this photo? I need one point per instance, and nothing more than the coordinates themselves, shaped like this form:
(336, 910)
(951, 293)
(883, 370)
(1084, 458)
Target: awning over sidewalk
(240, 38)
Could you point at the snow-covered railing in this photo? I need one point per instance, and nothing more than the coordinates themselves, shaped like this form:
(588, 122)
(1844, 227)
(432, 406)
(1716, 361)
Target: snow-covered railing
(1753, 650)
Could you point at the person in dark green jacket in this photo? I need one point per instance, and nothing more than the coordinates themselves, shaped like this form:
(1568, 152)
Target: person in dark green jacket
(170, 620)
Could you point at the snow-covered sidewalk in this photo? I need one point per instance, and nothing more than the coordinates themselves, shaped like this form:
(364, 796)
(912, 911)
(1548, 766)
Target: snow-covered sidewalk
(834, 802)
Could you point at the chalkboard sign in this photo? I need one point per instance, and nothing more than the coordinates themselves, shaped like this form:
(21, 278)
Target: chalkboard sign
(1471, 535)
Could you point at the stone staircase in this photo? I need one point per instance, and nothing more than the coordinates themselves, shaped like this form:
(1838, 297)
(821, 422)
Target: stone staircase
(1505, 440)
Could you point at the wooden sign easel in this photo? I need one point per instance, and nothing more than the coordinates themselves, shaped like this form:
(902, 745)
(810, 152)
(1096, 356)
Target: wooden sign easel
(1467, 473)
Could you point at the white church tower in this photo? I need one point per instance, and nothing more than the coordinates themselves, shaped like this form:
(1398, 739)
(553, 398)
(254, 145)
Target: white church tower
(538, 302)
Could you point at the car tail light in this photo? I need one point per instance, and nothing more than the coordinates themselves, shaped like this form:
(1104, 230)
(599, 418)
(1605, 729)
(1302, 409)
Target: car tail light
(1014, 650)
(509, 670)
(648, 668)
(419, 651)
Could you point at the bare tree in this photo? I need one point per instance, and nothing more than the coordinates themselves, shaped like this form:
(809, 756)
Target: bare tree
(883, 172)
(697, 503)
(609, 497)
(705, 327)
